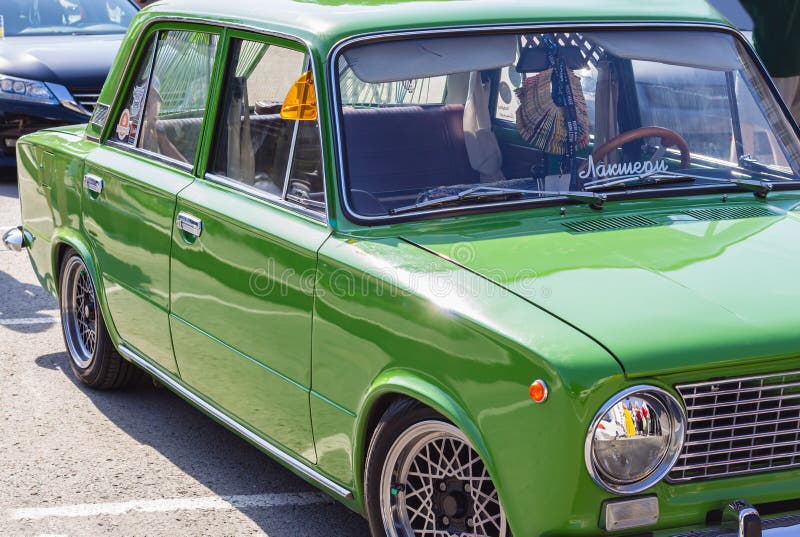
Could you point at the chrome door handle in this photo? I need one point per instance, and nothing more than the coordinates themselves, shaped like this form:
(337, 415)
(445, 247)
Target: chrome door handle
(93, 183)
(190, 224)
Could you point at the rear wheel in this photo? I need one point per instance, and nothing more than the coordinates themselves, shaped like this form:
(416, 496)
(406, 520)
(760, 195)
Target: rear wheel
(424, 478)
(92, 356)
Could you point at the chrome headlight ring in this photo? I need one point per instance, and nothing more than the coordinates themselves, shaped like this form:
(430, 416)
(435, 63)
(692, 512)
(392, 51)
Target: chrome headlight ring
(635, 439)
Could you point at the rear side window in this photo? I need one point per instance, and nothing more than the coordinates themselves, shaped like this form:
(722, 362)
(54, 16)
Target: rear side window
(166, 104)
(253, 144)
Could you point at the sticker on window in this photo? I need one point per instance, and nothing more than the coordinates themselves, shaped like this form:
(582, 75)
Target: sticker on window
(134, 130)
(138, 96)
(124, 125)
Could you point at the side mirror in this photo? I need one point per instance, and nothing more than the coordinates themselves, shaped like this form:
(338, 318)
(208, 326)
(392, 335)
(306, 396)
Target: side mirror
(15, 239)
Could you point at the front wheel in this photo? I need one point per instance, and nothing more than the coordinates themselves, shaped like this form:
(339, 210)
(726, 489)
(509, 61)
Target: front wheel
(92, 356)
(424, 478)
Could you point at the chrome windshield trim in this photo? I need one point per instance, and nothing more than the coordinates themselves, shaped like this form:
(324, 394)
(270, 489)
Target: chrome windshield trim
(181, 389)
(643, 25)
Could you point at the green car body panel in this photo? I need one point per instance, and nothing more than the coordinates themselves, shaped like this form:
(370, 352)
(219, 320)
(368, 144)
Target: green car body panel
(461, 313)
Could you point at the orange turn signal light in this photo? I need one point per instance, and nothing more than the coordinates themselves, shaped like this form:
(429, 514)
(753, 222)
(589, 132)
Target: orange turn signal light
(538, 391)
(301, 101)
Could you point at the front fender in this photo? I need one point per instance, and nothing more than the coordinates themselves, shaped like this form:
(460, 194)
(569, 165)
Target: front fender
(386, 323)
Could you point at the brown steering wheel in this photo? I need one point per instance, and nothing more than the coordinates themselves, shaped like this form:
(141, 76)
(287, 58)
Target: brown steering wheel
(668, 138)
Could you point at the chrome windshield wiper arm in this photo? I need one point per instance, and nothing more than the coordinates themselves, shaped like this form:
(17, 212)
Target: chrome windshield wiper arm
(751, 164)
(635, 180)
(759, 188)
(594, 199)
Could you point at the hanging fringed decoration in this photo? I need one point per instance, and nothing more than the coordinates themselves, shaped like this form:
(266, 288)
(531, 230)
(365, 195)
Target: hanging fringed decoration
(552, 115)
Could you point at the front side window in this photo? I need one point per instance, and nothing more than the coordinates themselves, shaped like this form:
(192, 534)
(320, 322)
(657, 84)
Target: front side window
(253, 144)
(435, 123)
(164, 109)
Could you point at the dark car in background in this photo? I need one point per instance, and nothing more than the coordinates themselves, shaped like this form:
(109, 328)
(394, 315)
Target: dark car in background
(54, 57)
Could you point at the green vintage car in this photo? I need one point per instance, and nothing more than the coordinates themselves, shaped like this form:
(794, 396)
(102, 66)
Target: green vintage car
(471, 267)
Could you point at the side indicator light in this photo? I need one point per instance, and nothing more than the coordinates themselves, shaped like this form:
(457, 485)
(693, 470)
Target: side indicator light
(301, 102)
(538, 391)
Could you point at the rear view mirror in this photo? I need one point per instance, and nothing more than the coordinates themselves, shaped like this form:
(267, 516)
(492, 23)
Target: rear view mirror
(535, 59)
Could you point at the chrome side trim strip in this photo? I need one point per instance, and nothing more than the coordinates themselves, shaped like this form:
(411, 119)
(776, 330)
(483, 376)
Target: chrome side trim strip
(237, 427)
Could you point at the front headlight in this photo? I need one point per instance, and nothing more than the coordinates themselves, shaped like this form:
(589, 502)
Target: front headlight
(635, 439)
(20, 89)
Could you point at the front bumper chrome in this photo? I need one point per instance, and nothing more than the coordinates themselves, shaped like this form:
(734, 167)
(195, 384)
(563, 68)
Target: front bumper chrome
(740, 519)
(16, 239)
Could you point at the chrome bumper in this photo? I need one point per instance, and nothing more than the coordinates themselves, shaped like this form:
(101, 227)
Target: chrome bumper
(16, 239)
(740, 519)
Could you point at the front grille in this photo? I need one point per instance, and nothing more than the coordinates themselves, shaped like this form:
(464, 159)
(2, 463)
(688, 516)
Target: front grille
(87, 100)
(740, 426)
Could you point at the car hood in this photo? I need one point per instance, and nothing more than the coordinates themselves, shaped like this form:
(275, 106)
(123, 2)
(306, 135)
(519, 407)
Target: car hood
(684, 294)
(75, 61)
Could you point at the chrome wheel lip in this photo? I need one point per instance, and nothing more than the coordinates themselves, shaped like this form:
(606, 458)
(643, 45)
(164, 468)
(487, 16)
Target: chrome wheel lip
(397, 465)
(79, 313)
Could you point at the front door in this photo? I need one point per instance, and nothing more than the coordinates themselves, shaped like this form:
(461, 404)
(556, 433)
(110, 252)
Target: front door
(245, 248)
(131, 183)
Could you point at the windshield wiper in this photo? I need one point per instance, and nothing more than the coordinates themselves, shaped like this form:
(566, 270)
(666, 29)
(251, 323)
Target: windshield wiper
(652, 178)
(752, 164)
(759, 188)
(594, 199)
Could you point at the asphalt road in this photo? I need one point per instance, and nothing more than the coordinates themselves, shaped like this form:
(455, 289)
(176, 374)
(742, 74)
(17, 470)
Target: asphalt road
(137, 462)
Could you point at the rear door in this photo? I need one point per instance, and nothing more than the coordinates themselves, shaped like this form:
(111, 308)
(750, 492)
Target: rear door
(131, 182)
(245, 247)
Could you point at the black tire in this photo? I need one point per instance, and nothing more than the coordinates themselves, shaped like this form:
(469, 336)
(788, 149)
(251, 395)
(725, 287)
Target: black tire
(398, 442)
(92, 356)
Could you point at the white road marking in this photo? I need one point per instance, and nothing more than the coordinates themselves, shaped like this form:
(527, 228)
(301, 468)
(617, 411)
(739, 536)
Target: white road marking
(175, 504)
(27, 320)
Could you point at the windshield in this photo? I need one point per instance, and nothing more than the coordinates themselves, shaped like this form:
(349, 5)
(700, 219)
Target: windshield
(59, 17)
(433, 118)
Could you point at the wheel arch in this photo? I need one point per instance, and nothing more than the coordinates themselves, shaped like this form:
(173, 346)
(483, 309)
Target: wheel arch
(398, 384)
(65, 239)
